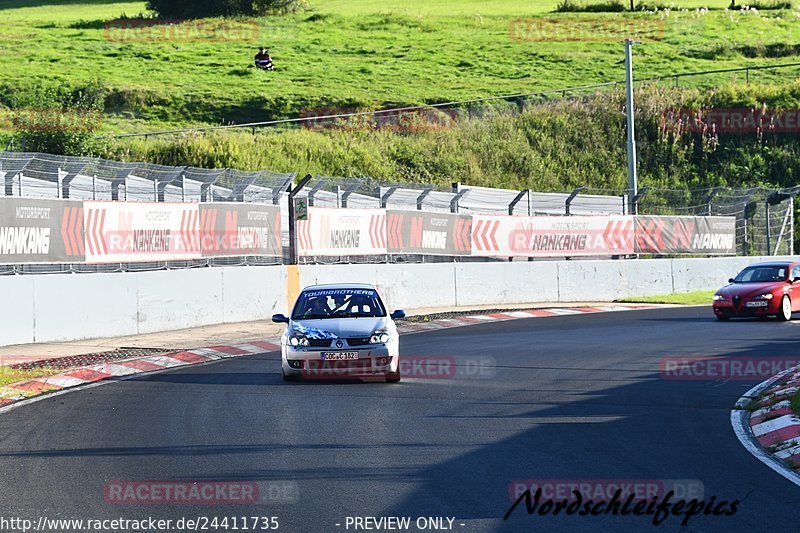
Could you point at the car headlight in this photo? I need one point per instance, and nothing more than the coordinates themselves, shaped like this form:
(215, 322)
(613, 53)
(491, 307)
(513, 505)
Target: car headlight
(297, 339)
(718, 297)
(767, 296)
(379, 337)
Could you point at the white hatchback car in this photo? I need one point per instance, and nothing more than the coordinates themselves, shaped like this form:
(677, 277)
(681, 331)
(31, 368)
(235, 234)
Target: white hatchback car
(340, 330)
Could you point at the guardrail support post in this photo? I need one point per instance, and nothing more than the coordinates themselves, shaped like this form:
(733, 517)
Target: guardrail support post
(385, 198)
(517, 200)
(421, 197)
(346, 194)
(575, 192)
(457, 198)
(711, 194)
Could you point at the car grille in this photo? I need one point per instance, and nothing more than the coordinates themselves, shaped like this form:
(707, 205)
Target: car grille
(357, 341)
(319, 343)
(736, 301)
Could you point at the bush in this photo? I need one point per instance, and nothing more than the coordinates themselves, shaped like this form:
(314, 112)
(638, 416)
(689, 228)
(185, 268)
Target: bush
(187, 9)
(54, 120)
(761, 6)
(572, 6)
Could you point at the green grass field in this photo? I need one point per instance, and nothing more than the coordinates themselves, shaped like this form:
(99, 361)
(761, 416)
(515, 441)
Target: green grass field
(365, 54)
(688, 298)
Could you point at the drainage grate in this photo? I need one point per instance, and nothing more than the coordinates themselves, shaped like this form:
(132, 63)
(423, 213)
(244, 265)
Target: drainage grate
(75, 361)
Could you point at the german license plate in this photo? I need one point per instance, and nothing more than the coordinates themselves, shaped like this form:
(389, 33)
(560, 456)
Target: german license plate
(339, 356)
(756, 304)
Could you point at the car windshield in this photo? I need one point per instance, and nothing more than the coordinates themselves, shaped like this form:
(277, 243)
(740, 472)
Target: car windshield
(761, 274)
(338, 303)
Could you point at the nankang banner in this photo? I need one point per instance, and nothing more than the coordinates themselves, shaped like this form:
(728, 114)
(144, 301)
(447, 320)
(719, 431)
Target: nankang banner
(240, 229)
(673, 235)
(417, 232)
(551, 236)
(334, 232)
(141, 231)
(41, 231)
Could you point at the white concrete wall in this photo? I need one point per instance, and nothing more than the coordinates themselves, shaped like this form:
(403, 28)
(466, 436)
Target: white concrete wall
(16, 311)
(510, 283)
(59, 307)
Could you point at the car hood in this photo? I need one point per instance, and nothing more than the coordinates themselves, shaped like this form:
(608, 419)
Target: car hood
(332, 328)
(748, 289)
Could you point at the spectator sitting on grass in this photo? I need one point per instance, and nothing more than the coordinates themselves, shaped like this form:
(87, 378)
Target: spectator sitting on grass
(263, 59)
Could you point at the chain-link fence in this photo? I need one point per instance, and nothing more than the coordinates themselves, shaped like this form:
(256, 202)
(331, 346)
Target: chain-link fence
(764, 218)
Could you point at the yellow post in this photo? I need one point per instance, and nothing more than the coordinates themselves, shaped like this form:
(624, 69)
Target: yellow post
(292, 286)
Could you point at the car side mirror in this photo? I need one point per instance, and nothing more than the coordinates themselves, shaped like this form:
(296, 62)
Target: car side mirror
(730, 280)
(398, 314)
(280, 319)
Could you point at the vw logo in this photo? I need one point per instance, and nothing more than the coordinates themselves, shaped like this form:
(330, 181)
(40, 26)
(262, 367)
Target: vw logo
(339, 343)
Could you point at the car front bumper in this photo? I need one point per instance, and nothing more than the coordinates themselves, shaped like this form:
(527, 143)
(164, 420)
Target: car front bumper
(725, 308)
(373, 361)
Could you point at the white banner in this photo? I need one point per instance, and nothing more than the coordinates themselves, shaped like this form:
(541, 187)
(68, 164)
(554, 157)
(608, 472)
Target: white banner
(141, 231)
(509, 236)
(334, 232)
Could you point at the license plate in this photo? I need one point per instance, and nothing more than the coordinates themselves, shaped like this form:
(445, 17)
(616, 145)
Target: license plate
(339, 356)
(756, 304)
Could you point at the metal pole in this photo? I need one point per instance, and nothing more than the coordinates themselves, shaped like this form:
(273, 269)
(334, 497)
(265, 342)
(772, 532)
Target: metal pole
(791, 225)
(769, 232)
(292, 222)
(632, 181)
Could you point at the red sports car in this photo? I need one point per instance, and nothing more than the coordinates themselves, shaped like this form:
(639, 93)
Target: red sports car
(761, 290)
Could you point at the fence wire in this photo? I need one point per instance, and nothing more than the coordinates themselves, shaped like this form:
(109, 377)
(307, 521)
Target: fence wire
(764, 217)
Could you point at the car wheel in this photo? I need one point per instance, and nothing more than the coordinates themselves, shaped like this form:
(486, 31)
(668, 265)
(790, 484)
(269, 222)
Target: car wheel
(393, 377)
(785, 312)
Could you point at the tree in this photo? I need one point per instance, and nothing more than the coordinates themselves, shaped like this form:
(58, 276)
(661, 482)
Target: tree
(186, 9)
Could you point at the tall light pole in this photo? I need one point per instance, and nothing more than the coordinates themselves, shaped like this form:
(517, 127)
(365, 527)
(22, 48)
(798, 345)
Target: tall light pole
(632, 182)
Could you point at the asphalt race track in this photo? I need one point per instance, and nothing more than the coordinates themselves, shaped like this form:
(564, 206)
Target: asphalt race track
(571, 398)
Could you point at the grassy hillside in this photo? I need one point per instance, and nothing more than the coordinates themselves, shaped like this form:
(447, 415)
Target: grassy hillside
(361, 54)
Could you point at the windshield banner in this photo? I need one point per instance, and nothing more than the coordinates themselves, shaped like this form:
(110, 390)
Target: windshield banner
(335, 232)
(417, 232)
(685, 235)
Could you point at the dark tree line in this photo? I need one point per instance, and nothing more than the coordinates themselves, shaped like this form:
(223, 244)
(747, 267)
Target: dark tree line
(186, 9)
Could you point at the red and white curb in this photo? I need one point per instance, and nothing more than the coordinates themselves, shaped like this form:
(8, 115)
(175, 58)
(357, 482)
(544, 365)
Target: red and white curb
(15, 392)
(471, 319)
(772, 432)
(80, 377)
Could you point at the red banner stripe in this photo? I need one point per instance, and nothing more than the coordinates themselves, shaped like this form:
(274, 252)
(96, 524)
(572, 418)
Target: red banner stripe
(78, 230)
